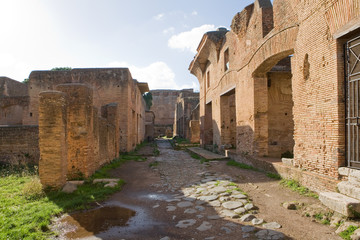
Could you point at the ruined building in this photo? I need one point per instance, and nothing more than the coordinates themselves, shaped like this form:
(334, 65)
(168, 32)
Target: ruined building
(79, 120)
(185, 104)
(163, 106)
(275, 83)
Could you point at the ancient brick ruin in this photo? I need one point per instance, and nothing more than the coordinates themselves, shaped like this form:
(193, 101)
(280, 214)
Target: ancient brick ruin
(163, 106)
(77, 120)
(275, 83)
(185, 104)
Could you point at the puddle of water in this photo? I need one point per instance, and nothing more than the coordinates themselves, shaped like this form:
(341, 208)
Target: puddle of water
(158, 197)
(92, 222)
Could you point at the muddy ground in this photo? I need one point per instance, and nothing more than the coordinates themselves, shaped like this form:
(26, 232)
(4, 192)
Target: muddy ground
(144, 209)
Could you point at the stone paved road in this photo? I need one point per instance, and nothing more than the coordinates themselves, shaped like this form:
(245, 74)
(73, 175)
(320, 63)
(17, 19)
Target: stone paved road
(181, 198)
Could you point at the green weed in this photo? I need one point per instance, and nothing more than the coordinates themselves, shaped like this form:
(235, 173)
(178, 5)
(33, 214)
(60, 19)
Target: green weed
(274, 176)
(296, 187)
(154, 164)
(241, 165)
(348, 232)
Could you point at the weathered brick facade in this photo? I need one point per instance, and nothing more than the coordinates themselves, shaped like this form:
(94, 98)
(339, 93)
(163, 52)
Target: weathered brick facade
(113, 85)
(300, 109)
(163, 106)
(185, 103)
(14, 101)
(85, 117)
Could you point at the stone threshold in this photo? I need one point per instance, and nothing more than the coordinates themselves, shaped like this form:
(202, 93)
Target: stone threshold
(207, 154)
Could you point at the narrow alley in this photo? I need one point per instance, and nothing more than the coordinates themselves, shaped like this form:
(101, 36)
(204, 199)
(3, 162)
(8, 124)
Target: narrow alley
(174, 196)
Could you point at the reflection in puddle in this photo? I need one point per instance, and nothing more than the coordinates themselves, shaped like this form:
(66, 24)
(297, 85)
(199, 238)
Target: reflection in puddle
(98, 220)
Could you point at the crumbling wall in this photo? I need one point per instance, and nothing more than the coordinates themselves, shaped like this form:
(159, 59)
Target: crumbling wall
(14, 101)
(74, 140)
(163, 106)
(19, 144)
(110, 85)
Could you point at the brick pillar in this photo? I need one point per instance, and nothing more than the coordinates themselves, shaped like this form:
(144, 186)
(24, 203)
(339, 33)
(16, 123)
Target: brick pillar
(52, 139)
(261, 134)
(195, 131)
(79, 129)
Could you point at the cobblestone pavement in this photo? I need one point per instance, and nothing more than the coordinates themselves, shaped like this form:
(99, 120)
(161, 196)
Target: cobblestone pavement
(177, 197)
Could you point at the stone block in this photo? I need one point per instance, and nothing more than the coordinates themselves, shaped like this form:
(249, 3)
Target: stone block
(344, 171)
(340, 203)
(349, 189)
(354, 176)
(288, 161)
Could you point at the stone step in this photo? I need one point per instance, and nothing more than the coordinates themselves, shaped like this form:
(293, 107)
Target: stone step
(340, 203)
(349, 189)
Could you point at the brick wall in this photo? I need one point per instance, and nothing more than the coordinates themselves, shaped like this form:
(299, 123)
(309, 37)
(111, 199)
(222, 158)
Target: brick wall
(184, 105)
(19, 144)
(309, 31)
(12, 109)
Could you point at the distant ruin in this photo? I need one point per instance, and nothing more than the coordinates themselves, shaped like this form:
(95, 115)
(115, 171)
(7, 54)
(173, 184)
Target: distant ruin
(163, 106)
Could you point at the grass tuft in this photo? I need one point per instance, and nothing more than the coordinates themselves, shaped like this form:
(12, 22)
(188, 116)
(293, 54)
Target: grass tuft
(274, 176)
(33, 189)
(348, 232)
(296, 187)
(241, 165)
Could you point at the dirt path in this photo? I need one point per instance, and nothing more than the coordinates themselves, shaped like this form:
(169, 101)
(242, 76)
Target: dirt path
(178, 189)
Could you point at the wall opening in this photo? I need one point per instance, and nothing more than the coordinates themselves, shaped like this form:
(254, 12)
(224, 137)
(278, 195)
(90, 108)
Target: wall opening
(274, 123)
(208, 132)
(226, 60)
(228, 119)
(351, 43)
(280, 105)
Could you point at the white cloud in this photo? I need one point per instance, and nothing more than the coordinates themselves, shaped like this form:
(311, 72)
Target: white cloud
(194, 13)
(189, 40)
(159, 17)
(169, 30)
(158, 74)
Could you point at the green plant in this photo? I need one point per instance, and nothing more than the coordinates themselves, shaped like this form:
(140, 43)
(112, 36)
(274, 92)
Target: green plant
(61, 69)
(154, 164)
(325, 222)
(232, 184)
(33, 189)
(26, 210)
(287, 154)
(202, 160)
(156, 152)
(319, 216)
(348, 232)
(240, 165)
(195, 156)
(148, 100)
(274, 176)
(296, 187)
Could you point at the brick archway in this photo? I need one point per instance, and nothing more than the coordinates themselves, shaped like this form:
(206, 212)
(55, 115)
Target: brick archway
(271, 104)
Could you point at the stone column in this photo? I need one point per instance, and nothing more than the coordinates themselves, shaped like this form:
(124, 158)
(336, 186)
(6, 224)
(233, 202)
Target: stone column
(52, 139)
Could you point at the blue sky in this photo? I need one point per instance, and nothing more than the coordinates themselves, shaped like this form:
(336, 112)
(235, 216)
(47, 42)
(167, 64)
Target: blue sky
(155, 39)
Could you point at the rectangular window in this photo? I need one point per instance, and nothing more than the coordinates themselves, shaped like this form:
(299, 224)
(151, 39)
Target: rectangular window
(226, 60)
